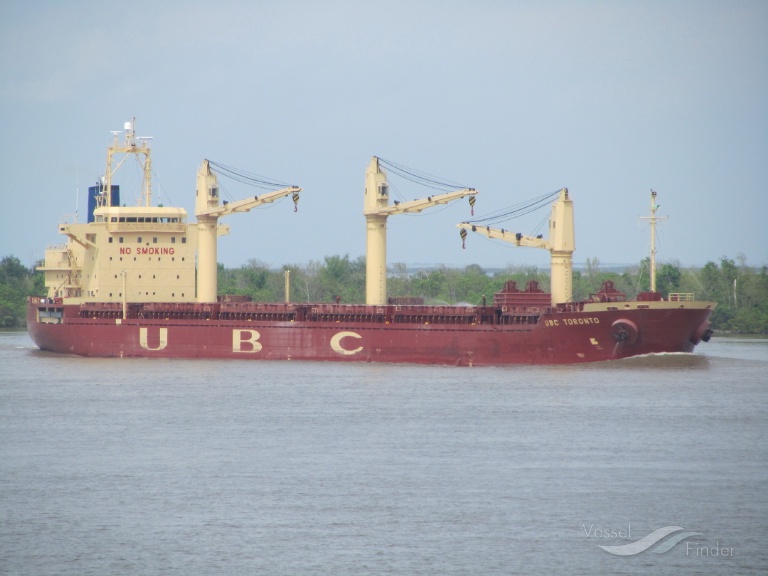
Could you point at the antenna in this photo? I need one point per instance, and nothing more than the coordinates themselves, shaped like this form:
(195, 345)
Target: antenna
(653, 218)
(77, 191)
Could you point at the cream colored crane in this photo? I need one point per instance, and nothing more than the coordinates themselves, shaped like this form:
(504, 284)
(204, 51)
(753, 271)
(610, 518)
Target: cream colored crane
(377, 210)
(208, 210)
(561, 244)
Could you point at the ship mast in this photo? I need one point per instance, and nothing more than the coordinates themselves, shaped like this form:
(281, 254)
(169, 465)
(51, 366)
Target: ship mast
(128, 147)
(653, 218)
(377, 210)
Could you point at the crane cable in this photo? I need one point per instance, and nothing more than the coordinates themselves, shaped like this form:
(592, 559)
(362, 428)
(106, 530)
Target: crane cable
(516, 210)
(419, 177)
(247, 178)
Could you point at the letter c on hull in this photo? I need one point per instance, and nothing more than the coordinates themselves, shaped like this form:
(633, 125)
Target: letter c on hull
(338, 348)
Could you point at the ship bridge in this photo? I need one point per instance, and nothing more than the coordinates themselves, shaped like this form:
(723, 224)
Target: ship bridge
(142, 219)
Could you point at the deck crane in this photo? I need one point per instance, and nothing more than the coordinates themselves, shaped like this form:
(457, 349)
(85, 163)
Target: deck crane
(561, 244)
(208, 210)
(377, 210)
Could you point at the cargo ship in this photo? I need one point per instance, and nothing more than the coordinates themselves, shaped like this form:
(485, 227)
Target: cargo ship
(141, 281)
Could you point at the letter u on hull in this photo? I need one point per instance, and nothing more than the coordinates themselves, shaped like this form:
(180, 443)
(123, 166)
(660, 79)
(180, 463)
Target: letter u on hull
(163, 339)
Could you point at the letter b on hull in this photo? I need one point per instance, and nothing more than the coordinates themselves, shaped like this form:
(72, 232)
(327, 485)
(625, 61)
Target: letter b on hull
(246, 341)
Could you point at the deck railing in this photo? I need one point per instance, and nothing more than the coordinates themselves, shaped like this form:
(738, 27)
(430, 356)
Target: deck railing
(681, 296)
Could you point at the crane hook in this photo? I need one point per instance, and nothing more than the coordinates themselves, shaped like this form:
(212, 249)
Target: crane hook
(472, 205)
(463, 234)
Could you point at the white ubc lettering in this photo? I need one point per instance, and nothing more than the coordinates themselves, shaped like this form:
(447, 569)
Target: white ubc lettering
(250, 338)
(163, 339)
(336, 343)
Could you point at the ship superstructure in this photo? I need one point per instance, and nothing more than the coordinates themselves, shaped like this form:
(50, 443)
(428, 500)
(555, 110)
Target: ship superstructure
(140, 253)
(144, 253)
(141, 281)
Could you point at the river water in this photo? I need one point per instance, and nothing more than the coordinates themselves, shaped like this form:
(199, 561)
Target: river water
(183, 467)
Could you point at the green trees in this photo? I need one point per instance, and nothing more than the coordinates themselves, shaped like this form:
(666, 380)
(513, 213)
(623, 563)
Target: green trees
(342, 278)
(668, 278)
(590, 280)
(741, 293)
(335, 277)
(16, 283)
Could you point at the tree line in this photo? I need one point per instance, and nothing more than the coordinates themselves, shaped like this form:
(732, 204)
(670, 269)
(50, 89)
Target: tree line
(740, 291)
(16, 283)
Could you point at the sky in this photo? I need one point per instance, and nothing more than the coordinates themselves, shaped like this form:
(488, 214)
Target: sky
(516, 99)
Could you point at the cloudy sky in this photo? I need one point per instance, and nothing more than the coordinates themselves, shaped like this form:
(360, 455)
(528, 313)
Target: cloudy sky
(514, 98)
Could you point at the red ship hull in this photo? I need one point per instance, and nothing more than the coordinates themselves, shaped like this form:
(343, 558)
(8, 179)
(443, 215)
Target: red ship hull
(473, 337)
